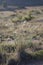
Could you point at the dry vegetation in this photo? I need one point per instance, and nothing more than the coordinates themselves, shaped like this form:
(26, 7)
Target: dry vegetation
(21, 36)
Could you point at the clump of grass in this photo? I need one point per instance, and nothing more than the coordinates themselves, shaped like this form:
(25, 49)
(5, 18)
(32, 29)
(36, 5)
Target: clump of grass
(36, 12)
(20, 18)
(30, 45)
(27, 17)
(16, 19)
(38, 55)
(41, 35)
(7, 48)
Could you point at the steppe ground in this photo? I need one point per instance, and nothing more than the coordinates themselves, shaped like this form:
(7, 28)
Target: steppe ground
(22, 27)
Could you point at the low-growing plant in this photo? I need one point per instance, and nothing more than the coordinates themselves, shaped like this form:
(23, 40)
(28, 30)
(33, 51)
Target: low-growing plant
(30, 45)
(38, 55)
(35, 12)
(27, 18)
(7, 48)
(15, 20)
